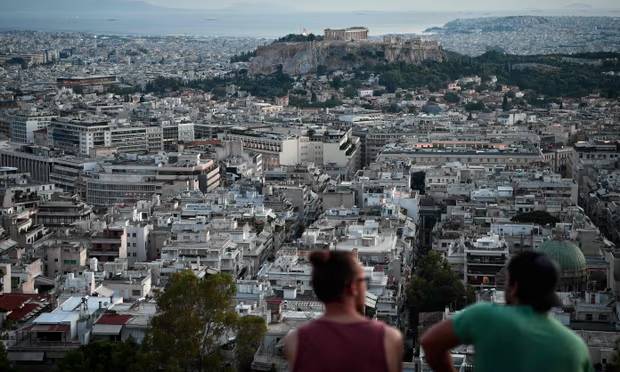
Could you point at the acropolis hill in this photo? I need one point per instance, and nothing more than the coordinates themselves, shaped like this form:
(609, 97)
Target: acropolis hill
(299, 58)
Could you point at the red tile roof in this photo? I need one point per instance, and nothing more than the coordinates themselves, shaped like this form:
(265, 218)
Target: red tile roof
(13, 301)
(50, 328)
(20, 305)
(21, 313)
(113, 319)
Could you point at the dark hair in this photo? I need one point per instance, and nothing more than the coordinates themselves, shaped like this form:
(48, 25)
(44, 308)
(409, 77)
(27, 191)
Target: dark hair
(536, 277)
(332, 273)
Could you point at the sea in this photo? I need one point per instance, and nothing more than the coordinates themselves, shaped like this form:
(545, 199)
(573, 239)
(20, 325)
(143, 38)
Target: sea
(265, 24)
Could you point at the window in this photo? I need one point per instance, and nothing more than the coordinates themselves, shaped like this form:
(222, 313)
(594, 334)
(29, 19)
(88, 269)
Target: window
(602, 317)
(588, 316)
(136, 292)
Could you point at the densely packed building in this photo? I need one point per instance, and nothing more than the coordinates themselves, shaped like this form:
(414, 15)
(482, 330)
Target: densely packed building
(107, 193)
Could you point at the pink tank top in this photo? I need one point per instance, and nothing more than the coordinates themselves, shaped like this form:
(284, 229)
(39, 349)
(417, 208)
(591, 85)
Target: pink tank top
(326, 346)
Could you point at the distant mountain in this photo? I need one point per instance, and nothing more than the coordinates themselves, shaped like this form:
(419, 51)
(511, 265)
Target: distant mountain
(522, 24)
(75, 5)
(582, 6)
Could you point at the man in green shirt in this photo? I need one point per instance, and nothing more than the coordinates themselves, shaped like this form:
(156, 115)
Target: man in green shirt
(519, 337)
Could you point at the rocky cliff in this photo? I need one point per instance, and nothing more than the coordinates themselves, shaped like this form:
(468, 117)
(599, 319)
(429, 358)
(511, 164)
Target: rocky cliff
(306, 57)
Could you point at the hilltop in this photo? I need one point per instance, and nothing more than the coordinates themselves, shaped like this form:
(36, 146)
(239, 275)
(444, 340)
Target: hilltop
(551, 76)
(299, 58)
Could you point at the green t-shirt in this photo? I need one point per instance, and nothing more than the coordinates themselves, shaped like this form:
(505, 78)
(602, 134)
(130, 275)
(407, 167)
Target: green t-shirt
(518, 339)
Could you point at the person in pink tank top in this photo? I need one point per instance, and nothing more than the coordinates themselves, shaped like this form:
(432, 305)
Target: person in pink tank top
(343, 339)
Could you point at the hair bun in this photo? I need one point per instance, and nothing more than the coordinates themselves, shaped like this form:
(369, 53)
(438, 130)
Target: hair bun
(319, 258)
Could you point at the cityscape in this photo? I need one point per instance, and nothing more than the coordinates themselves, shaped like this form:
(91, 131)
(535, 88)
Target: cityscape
(164, 196)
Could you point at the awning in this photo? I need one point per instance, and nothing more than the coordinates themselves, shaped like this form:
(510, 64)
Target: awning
(42, 280)
(18, 356)
(107, 329)
(50, 328)
(370, 300)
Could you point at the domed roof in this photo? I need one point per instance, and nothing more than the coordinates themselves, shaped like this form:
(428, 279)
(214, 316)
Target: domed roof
(567, 255)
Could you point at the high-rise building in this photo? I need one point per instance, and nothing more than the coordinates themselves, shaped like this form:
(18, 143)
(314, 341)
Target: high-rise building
(80, 136)
(24, 124)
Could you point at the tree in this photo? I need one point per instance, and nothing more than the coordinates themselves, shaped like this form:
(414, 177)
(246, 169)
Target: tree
(614, 364)
(451, 97)
(542, 218)
(195, 315)
(474, 106)
(103, 356)
(418, 180)
(434, 286)
(243, 57)
(18, 61)
(393, 108)
(392, 80)
(350, 92)
(336, 83)
(4, 360)
(505, 104)
(297, 38)
(250, 333)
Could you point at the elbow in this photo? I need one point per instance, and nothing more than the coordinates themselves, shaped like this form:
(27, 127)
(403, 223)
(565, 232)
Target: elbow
(430, 352)
(437, 343)
(432, 355)
(426, 341)
(433, 350)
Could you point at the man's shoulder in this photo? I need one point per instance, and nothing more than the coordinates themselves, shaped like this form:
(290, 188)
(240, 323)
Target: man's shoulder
(468, 322)
(310, 327)
(570, 337)
(291, 336)
(483, 309)
(392, 333)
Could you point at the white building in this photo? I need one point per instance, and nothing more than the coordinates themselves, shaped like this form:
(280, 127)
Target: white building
(484, 258)
(23, 125)
(80, 136)
(512, 118)
(327, 148)
(365, 92)
(287, 271)
(186, 132)
(137, 239)
(371, 246)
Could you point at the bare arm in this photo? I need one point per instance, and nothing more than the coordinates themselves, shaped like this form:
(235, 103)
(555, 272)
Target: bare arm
(393, 343)
(437, 343)
(290, 348)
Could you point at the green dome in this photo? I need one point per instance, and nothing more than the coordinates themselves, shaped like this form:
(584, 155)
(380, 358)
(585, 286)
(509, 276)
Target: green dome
(567, 255)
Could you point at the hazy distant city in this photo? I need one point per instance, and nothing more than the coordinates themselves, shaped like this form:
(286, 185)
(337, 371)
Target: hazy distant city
(166, 173)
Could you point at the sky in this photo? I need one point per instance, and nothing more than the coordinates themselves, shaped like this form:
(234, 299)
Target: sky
(391, 5)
